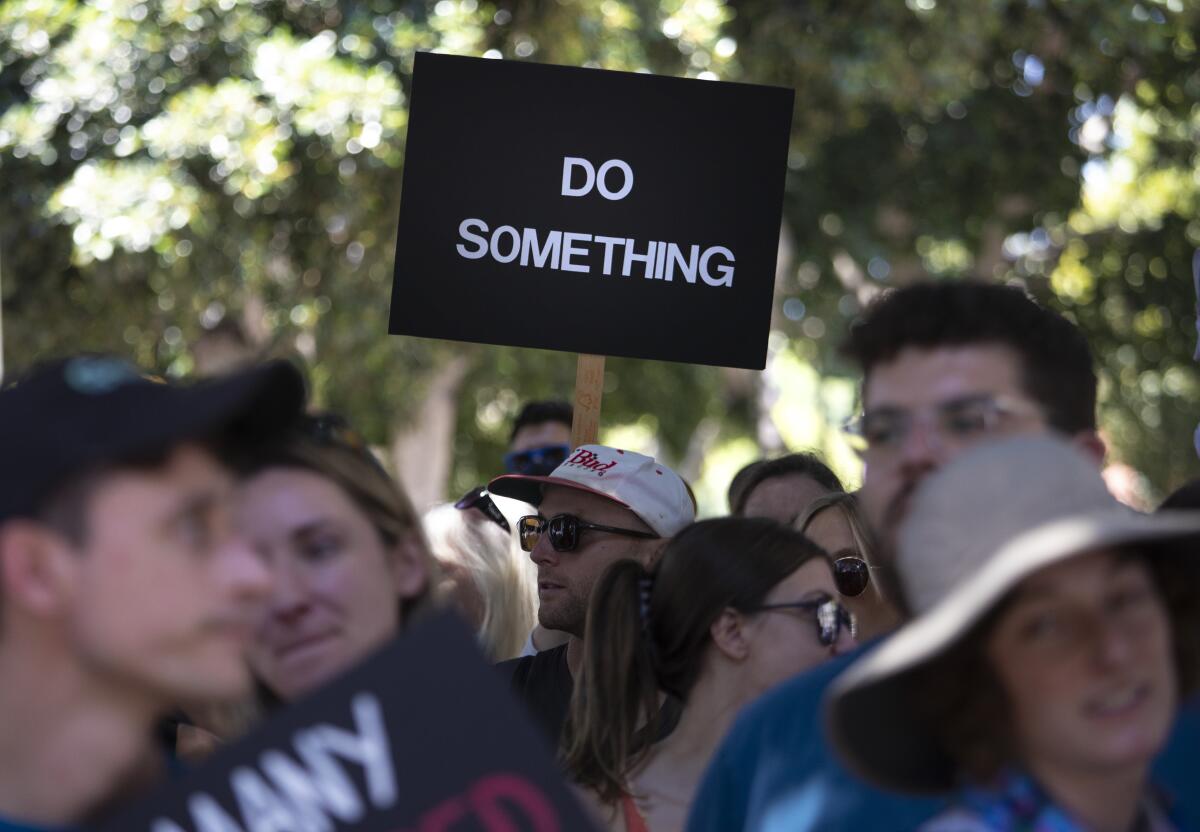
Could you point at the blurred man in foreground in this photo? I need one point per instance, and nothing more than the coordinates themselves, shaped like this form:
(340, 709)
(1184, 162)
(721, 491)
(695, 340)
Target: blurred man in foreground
(124, 592)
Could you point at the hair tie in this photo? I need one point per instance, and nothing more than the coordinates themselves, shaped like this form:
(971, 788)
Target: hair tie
(645, 587)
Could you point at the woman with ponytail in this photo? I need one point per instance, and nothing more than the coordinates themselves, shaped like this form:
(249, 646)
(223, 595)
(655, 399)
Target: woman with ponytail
(733, 606)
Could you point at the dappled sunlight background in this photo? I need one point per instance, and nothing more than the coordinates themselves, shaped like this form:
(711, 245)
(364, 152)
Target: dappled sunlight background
(194, 182)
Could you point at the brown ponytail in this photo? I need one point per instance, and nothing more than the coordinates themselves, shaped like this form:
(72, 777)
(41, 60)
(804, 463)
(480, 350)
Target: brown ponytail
(616, 702)
(647, 633)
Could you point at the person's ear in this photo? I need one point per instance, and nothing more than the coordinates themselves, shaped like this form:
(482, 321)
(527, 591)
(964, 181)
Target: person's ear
(38, 568)
(1092, 444)
(410, 566)
(729, 634)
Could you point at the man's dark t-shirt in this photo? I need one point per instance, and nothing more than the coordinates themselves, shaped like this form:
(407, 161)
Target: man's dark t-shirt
(543, 682)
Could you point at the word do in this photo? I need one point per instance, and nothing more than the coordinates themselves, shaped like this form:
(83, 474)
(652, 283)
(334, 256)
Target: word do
(596, 178)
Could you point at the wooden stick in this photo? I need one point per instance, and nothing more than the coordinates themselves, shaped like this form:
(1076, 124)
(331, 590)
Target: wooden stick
(589, 388)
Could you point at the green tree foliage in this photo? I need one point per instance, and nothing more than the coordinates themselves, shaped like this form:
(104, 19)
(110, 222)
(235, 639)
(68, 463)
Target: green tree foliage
(167, 164)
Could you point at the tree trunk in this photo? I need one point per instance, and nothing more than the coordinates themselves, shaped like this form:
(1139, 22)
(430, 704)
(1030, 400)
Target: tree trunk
(423, 451)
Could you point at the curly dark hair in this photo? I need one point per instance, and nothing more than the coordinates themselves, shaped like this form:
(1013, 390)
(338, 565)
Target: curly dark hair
(1057, 370)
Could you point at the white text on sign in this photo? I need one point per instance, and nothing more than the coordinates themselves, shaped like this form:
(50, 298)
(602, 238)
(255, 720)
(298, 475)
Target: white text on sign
(571, 251)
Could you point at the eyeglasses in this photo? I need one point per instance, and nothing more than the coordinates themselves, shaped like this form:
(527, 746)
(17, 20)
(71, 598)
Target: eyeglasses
(536, 462)
(880, 434)
(564, 531)
(479, 499)
(831, 617)
(851, 576)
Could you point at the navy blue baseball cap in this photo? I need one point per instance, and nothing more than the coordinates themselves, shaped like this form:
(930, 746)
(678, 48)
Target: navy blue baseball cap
(70, 415)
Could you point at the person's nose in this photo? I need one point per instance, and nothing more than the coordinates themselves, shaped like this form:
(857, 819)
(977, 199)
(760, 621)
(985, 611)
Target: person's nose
(1112, 645)
(245, 572)
(290, 598)
(922, 451)
(921, 446)
(543, 553)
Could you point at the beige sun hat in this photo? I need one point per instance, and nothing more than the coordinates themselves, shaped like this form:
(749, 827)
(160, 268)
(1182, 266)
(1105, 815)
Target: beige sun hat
(975, 529)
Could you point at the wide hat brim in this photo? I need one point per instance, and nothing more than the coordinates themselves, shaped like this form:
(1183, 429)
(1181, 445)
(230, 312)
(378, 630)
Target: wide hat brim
(871, 712)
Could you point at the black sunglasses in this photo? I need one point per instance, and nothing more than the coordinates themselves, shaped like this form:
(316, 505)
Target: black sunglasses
(536, 461)
(851, 575)
(564, 531)
(831, 617)
(479, 499)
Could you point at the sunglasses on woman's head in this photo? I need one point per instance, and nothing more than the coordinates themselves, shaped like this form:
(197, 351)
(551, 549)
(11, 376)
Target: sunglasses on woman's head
(479, 499)
(564, 530)
(831, 617)
(331, 430)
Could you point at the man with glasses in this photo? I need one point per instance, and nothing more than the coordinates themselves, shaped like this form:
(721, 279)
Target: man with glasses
(124, 590)
(944, 365)
(600, 506)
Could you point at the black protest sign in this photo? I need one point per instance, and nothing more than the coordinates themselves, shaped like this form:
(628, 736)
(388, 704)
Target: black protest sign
(423, 737)
(600, 212)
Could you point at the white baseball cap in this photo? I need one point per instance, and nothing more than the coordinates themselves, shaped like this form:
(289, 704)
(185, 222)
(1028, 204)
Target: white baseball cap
(635, 481)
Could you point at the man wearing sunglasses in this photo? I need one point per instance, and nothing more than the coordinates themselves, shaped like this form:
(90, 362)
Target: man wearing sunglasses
(599, 506)
(945, 365)
(540, 440)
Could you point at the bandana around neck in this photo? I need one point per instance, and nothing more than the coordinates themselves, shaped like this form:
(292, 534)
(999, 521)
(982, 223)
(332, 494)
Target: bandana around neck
(1015, 803)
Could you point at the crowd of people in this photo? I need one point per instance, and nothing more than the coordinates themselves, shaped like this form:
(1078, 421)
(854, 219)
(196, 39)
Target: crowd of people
(980, 638)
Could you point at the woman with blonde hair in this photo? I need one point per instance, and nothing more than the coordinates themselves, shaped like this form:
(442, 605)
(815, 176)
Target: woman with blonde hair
(486, 577)
(836, 523)
(346, 548)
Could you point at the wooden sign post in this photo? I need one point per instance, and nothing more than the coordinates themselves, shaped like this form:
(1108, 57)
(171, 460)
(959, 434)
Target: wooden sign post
(589, 388)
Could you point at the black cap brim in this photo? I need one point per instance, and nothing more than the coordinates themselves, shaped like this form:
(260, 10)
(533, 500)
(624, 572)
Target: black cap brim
(248, 405)
(148, 418)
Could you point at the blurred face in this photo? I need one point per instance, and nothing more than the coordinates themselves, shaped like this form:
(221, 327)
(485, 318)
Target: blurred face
(921, 387)
(565, 579)
(540, 435)
(784, 642)
(1084, 656)
(337, 586)
(782, 498)
(165, 591)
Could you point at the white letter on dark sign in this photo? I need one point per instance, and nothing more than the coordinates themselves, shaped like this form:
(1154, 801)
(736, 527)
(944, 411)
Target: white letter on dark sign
(368, 747)
(464, 231)
(262, 809)
(569, 164)
(725, 270)
(603, 172)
